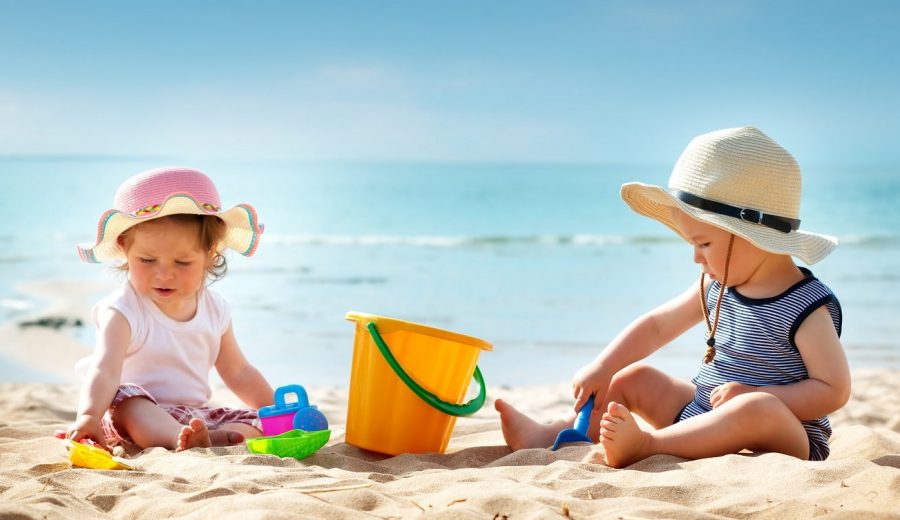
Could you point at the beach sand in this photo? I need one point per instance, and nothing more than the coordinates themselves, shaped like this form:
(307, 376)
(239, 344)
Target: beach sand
(478, 477)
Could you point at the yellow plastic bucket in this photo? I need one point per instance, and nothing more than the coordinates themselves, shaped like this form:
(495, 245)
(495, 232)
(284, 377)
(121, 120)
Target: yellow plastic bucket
(406, 381)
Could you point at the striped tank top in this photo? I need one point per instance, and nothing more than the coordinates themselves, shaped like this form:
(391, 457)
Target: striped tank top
(755, 346)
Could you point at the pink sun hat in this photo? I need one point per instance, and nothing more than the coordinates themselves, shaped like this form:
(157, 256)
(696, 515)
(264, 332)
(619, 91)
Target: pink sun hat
(169, 191)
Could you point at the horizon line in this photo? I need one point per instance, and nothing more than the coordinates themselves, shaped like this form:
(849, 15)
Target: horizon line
(106, 157)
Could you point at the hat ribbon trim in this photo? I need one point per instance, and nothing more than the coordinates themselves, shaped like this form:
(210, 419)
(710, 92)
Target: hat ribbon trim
(754, 216)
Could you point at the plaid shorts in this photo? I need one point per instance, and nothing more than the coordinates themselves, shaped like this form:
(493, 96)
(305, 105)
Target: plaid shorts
(213, 417)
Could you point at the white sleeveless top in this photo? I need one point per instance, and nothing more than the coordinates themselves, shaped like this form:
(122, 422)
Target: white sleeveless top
(168, 358)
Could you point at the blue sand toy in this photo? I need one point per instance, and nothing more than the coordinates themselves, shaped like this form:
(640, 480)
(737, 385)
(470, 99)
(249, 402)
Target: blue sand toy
(283, 416)
(579, 432)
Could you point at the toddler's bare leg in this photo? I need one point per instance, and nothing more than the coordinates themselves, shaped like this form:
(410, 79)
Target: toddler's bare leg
(649, 392)
(147, 424)
(521, 431)
(756, 421)
(653, 394)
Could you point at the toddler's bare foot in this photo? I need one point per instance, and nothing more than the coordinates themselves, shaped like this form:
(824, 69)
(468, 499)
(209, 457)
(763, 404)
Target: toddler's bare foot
(520, 431)
(194, 435)
(623, 440)
(225, 437)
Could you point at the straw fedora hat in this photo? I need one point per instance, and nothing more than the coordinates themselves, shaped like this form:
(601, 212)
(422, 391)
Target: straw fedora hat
(170, 191)
(739, 180)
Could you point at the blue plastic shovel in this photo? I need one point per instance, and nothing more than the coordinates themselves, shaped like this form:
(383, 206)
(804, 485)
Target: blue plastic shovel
(579, 432)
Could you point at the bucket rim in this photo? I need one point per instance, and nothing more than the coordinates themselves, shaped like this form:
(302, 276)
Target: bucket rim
(388, 325)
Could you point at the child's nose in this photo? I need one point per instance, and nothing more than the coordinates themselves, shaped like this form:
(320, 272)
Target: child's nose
(698, 258)
(164, 272)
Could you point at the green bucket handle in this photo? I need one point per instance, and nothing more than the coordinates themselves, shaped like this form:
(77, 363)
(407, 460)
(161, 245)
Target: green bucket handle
(436, 402)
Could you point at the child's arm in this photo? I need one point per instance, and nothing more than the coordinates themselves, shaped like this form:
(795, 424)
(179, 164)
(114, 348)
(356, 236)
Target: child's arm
(828, 386)
(638, 340)
(240, 376)
(102, 379)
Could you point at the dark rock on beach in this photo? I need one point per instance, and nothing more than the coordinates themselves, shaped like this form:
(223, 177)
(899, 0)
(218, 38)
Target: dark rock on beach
(53, 322)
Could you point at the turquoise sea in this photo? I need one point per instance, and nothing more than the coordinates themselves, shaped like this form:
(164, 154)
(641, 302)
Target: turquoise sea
(543, 261)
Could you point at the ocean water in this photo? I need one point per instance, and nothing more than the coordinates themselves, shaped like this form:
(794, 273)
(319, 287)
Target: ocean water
(543, 261)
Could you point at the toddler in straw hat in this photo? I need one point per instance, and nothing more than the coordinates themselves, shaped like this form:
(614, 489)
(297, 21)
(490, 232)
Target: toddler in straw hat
(161, 332)
(774, 366)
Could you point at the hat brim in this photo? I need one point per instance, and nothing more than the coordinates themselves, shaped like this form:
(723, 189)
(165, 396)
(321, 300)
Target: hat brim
(657, 203)
(243, 228)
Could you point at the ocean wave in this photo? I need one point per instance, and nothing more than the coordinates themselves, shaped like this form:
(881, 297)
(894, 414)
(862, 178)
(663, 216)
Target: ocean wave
(872, 241)
(560, 239)
(349, 280)
(14, 258)
(462, 241)
(15, 304)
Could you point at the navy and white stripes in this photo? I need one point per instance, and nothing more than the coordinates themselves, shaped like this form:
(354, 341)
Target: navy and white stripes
(755, 346)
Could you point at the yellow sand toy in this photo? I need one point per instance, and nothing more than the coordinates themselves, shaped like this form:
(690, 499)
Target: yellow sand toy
(93, 457)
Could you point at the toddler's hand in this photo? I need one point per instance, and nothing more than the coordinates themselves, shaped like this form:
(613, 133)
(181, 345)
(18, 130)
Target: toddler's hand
(590, 380)
(724, 393)
(87, 427)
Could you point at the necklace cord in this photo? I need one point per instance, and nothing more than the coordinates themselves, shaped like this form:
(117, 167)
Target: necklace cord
(711, 329)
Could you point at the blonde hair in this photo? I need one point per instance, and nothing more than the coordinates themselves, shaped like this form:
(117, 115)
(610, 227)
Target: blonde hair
(210, 233)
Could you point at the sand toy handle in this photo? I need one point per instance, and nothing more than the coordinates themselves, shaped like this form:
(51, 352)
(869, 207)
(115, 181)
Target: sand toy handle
(436, 402)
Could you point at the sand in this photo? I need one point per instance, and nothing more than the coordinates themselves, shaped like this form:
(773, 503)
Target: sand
(478, 477)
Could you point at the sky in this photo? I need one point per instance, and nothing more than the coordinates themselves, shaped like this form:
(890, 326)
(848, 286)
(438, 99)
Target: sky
(459, 81)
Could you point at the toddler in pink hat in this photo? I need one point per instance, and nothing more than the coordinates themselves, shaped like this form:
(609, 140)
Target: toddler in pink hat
(163, 330)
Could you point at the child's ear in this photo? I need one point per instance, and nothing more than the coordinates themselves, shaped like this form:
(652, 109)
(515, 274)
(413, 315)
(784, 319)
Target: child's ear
(120, 241)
